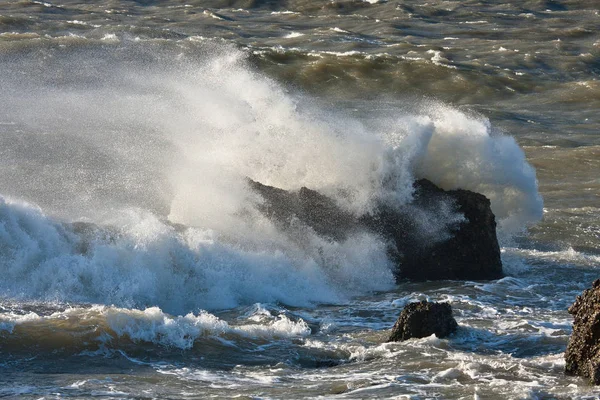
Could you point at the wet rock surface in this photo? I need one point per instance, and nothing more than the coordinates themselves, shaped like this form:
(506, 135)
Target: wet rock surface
(423, 241)
(424, 319)
(582, 356)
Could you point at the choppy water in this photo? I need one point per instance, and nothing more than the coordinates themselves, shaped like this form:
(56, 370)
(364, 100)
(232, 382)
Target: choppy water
(134, 262)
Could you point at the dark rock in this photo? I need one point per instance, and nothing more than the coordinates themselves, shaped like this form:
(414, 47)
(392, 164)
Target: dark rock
(424, 319)
(470, 252)
(466, 249)
(312, 208)
(583, 351)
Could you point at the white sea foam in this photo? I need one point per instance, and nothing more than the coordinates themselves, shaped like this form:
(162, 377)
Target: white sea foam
(45, 4)
(110, 37)
(147, 262)
(8, 321)
(338, 30)
(153, 325)
(293, 35)
(221, 379)
(149, 142)
(568, 256)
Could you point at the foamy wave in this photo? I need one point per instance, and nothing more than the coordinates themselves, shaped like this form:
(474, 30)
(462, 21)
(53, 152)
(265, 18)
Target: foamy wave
(146, 262)
(293, 35)
(222, 379)
(155, 144)
(153, 325)
(8, 321)
(568, 256)
(105, 324)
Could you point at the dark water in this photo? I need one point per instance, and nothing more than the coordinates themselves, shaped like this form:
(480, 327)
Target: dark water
(134, 261)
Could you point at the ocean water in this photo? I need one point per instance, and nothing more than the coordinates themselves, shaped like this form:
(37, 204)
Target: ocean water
(135, 264)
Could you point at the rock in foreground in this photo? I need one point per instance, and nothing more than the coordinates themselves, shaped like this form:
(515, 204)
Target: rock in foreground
(422, 240)
(583, 351)
(424, 319)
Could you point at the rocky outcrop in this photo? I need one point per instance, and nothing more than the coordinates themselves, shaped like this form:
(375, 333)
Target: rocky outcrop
(583, 351)
(469, 252)
(424, 319)
(423, 241)
(308, 206)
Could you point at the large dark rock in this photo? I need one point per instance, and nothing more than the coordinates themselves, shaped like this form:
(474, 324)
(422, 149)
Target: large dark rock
(583, 351)
(423, 241)
(424, 319)
(469, 252)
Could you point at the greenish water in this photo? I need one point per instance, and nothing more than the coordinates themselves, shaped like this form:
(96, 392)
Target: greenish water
(134, 261)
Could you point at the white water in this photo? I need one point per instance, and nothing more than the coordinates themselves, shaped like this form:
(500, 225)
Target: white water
(146, 262)
(153, 325)
(134, 146)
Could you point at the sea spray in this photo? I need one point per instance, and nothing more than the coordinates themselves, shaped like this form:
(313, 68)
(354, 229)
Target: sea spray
(153, 153)
(96, 107)
(178, 137)
(465, 152)
(146, 262)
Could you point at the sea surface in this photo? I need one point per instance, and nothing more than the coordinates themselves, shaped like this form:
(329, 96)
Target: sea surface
(134, 262)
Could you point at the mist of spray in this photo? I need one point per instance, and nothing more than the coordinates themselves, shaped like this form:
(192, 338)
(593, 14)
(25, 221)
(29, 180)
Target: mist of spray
(133, 137)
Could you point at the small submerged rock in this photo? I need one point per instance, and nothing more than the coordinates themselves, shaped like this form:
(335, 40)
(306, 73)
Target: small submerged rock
(424, 319)
(583, 351)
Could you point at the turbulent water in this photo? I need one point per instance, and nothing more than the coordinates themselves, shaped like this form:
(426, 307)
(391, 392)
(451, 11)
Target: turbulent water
(134, 261)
